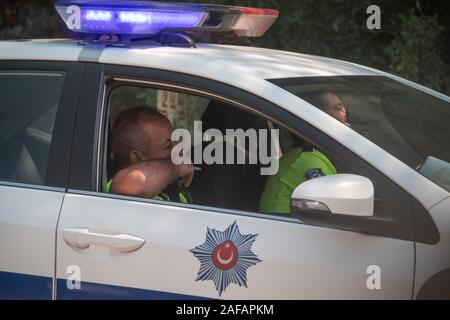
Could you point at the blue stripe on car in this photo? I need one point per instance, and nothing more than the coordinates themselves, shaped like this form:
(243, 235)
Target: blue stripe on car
(98, 291)
(17, 286)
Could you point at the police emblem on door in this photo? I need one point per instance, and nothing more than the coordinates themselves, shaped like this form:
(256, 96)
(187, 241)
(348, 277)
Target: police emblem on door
(225, 257)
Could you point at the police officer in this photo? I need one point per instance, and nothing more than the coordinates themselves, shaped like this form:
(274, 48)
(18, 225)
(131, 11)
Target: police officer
(142, 146)
(303, 163)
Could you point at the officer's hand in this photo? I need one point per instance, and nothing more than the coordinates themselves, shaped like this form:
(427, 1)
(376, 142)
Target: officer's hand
(186, 173)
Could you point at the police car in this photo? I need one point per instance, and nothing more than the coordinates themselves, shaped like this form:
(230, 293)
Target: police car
(378, 229)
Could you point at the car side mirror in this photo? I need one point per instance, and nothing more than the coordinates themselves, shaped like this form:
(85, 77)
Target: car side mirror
(345, 194)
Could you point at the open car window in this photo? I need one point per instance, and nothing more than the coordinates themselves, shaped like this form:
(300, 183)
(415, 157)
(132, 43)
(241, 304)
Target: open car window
(181, 109)
(232, 180)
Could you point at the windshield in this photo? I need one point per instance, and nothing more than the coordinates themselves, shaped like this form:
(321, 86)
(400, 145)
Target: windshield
(410, 124)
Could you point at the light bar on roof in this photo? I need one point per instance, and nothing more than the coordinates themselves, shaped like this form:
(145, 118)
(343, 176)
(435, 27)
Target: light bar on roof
(148, 18)
(254, 22)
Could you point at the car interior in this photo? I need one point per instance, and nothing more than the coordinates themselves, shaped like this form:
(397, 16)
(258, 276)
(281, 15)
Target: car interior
(236, 186)
(25, 154)
(26, 126)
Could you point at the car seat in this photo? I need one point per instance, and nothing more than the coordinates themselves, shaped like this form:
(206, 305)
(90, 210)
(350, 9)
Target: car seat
(20, 159)
(237, 186)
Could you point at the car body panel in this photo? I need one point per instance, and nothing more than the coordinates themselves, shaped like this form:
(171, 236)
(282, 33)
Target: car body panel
(27, 241)
(40, 50)
(297, 261)
(433, 261)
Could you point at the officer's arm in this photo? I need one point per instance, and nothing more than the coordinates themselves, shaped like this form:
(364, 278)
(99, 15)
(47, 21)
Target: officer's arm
(148, 179)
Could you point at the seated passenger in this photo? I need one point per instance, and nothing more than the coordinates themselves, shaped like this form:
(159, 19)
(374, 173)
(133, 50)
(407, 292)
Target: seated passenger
(300, 164)
(142, 146)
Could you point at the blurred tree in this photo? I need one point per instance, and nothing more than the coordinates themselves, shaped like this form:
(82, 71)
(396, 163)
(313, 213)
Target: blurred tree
(416, 51)
(29, 19)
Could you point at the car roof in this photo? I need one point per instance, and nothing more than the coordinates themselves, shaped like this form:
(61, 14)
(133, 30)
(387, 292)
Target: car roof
(207, 60)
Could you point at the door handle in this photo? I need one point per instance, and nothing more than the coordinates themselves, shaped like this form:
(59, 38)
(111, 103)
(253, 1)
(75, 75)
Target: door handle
(82, 238)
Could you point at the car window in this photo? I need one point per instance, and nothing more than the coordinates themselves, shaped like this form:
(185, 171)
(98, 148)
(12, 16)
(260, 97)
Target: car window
(214, 184)
(46, 122)
(28, 105)
(244, 174)
(180, 108)
(408, 123)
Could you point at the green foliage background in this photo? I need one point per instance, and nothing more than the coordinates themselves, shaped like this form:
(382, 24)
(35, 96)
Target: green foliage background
(413, 42)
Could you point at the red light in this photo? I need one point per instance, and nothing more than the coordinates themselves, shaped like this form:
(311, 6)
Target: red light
(258, 11)
(254, 22)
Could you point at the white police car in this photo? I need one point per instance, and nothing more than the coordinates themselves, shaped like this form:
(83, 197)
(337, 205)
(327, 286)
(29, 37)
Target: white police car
(378, 229)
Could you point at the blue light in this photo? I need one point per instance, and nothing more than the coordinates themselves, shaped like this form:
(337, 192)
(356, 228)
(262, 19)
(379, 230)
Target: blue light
(174, 19)
(131, 18)
(98, 15)
(149, 22)
(137, 22)
(134, 17)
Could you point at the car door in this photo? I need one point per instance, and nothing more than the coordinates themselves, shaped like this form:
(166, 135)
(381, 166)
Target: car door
(36, 108)
(112, 246)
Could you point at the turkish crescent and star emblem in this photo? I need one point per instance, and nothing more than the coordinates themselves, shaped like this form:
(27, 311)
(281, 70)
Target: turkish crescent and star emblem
(225, 257)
